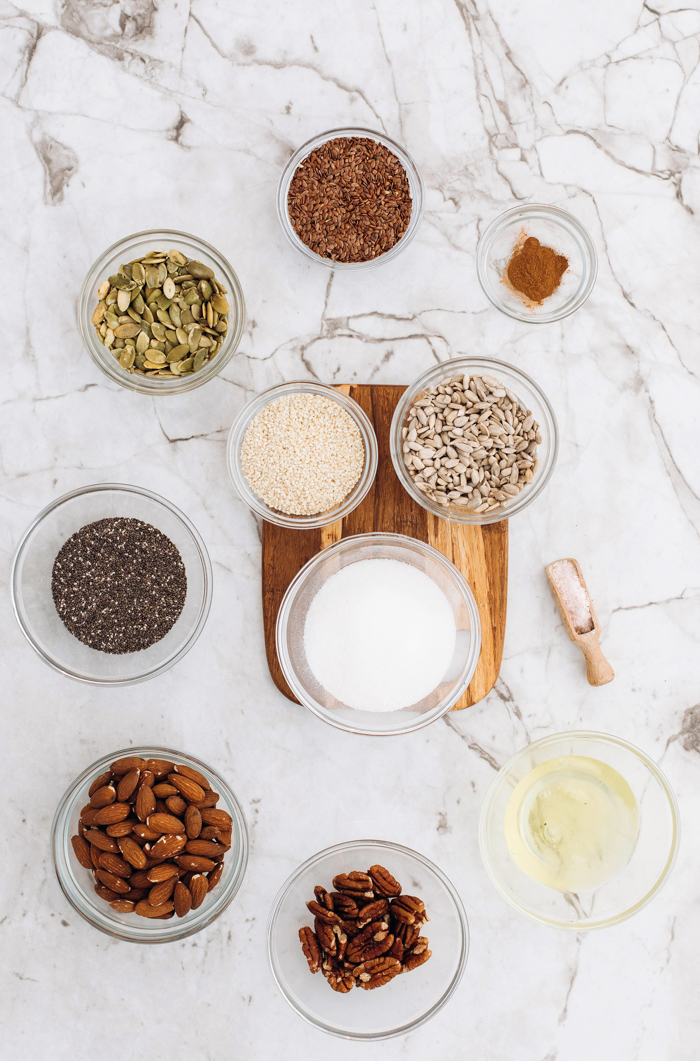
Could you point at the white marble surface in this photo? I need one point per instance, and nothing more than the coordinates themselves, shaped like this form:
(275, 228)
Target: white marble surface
(123, 116)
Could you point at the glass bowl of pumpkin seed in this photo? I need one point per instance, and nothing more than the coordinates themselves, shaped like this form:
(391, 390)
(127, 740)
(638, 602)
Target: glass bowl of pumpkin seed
(161, 312)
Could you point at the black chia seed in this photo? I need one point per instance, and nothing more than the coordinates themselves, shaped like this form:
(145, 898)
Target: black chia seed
(119, 585)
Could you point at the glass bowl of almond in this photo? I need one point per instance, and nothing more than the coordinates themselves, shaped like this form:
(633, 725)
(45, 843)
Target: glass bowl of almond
(161, 312)
(354, 953)
(149, 845)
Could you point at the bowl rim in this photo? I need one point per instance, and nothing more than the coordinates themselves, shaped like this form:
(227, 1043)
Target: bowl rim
(20, 615)
(564, 219)
(397, 539)
(445, 368)
(142, 384)
(59, 838)
(384, 845)
(240, 426)
(654, 770)
(413, 174)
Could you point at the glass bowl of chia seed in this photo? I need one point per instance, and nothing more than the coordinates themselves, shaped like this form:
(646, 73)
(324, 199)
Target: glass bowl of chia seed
(137, 646)
(415, 184)
(289, 457)
(187, 248)
(78, 883)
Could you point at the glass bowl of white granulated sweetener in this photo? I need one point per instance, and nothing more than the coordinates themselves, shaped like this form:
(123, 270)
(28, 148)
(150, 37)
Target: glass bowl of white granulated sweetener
(379, 634)
(302, 455)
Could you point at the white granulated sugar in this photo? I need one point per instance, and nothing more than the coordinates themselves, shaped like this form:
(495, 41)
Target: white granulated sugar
(379, 635)
(573, 595)
(302, 454)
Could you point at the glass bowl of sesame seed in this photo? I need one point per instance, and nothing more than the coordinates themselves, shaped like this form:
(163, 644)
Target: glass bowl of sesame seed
(320, 208)
(474, 440)
(129, 598)
(302, 455)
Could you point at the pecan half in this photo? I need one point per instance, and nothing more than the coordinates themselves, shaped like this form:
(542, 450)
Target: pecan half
(324, 898)
(408, 934)
(343, 904)
(354, 883)
(376, 972)
(374, 934)
(326, 936)
(373, 911)
(383, 881)
(310, 947)
(322, 913)
(408, 908)
(396, 949)
(418, 956)
(338, 977)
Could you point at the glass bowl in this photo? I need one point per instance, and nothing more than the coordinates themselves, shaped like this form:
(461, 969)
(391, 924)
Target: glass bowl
(77, 882)
(405, 1002)
(554, 228)
(529, 394)
(632, 888)
(31, 584)
(285, 519)
(126, 250)
(414, 179)
(291, 621)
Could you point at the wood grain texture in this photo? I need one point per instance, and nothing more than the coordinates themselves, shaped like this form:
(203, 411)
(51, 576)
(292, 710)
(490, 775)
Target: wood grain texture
(480, 553)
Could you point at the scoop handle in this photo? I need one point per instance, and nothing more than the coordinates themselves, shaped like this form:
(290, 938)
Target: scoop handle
(598, 670)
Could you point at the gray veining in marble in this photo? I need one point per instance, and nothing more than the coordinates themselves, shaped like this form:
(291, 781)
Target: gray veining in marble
(119, 115)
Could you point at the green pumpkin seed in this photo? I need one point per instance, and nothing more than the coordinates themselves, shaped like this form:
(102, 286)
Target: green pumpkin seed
(134, 316)
(157, 346)
(171, 337)
(127, 331)
(103, 290)
(191, 296)
(142, 343)
(186, 317)
(138, 304)
(193, 340)
(163, 317)
(152, 276)
(205, 289)
(98, 315)
(175, 317)
(138, 273)
(200, 357)
(200, 270)
(178, 257)
(196, 310)
(122, 283)
(111, 320)
(179, 352)
(158, 330)
(162, 273)
(186, 365)
(153, 296)
(147, 314)
(220, 304)
(168, 287)
(126, 359)
(163, 302)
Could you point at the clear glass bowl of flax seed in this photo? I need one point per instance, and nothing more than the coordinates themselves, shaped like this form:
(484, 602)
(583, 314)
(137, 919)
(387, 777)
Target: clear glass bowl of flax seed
(415, 183)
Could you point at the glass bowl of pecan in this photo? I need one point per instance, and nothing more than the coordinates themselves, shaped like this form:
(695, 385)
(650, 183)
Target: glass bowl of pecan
(149, 845)
(354, 954)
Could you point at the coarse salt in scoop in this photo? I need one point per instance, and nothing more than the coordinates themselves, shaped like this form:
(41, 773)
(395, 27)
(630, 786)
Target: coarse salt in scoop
(580, 619)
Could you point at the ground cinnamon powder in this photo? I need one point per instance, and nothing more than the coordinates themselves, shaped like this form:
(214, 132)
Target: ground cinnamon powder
(536, 271)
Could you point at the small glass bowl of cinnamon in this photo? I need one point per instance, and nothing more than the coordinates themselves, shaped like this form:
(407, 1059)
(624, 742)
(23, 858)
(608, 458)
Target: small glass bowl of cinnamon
(536, 263)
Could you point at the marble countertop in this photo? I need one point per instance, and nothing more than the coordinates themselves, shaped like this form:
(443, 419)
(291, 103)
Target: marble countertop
(120, 116)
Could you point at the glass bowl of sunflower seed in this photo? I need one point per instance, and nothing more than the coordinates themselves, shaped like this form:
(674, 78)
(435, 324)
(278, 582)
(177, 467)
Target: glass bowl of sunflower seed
(161, 312)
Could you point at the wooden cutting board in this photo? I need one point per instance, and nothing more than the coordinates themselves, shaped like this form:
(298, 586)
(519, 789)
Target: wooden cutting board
(480, 553)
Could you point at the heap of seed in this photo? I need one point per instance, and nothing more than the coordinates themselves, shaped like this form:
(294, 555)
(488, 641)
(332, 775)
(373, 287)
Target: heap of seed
(470, 442)
(302, 454)
(350, 200)
(119, 585)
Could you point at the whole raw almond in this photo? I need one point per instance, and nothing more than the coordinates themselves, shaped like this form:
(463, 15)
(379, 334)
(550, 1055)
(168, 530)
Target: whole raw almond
(210, 832)
(145, 909)
(198, 889)
(207, 848)
(132, 852)
(95, 853)
(136, 894)
(103, 797)
(195, 863)
(221, 818)
(210, 800)
(194, 775)
(176, 805)
(193, 822)
(163, 872)
(116, 812)
(105, 893)
(88, 815)
(144, 833)
(189, 789)
(182, 899)
(114, 864)
(148, 778)
(167, 846)
(101, 840)
(116, 884)
(162, 891)
(139, 880)
(129, 762)
(127, 785)
(215, 876)
(121, 828)
(100, 782)
(123, 906)
(165, 823)
(145, 802)
(81, 849)
(162, 790)
(159, 767)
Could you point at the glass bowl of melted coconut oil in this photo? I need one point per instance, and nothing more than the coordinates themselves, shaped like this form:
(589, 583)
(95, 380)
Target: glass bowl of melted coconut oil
(579, 830)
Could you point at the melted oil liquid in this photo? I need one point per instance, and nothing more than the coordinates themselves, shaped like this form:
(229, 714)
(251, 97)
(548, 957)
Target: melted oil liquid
(572, 823)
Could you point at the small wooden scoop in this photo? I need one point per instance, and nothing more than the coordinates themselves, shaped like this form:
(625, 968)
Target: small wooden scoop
(579, 617)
